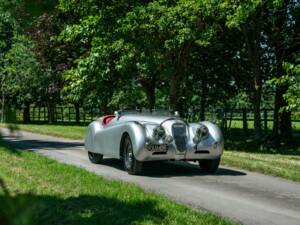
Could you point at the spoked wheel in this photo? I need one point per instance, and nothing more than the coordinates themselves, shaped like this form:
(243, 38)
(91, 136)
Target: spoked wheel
(131, 165)
(209, 165)
(95, 157)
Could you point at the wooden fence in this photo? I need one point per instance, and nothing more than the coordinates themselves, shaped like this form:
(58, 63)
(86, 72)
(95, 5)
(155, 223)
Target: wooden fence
(67, 114)
(63, 114)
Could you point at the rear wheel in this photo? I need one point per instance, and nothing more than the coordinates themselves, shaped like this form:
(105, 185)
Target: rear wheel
(131, 165)
(209, 165)
(95, 157)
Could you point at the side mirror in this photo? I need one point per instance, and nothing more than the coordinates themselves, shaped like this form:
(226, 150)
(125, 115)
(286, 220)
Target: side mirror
(176, 113)
(118, 114)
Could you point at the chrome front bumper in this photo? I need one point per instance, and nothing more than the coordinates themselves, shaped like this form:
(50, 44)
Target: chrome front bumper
(191, 152)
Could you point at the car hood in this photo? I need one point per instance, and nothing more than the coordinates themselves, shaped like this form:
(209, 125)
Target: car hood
(145, 118)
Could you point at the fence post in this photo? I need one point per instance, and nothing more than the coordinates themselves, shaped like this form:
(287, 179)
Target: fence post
(245, 123)
(33, 116)
(39, 114)
(69, 110)
(84, 115)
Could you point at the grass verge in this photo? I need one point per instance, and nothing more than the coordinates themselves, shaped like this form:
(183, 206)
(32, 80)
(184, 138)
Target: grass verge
(284, 166)
(66, 131)
(43, 191)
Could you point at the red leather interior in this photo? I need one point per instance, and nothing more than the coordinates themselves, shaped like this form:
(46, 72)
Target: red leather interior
(107, 119)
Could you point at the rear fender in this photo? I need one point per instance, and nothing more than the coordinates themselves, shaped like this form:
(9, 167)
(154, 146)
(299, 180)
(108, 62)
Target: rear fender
(89, 140)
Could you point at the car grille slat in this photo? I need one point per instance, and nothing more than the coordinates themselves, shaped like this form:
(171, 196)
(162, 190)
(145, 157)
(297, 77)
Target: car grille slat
(179, 134)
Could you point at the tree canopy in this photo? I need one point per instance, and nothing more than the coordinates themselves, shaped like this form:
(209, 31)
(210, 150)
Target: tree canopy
(184, 55)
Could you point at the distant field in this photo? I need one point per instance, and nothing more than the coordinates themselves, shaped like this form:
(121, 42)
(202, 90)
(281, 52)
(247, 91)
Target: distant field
(43, 191)
(239, 124)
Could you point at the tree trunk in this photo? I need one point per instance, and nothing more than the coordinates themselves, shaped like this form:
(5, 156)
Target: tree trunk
(181, 59)
(26, 113)
(253, 45)
(104, 108)
(51, 112)
(245, 123)
(174, 93)
(151, 98)
(2, 107)
(203, 98)
(149, 88)
(282, 124)
(77, 112)
(256, 108)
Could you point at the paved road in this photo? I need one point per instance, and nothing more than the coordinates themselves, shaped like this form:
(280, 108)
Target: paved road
(243, 196)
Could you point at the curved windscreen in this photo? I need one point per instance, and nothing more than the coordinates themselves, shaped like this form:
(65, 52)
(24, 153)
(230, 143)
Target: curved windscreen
(148, 112)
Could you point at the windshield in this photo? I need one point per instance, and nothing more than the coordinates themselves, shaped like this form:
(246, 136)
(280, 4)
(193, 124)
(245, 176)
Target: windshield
(147, 112)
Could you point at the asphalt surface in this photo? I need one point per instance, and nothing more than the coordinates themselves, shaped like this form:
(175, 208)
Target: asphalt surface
(246, 197)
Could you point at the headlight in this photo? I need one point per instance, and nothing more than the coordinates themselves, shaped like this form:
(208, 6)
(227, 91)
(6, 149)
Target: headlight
(168, 139)
(159, 133)
(200, 134)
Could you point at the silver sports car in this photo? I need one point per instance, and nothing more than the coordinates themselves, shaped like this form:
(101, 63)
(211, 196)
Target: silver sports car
(140, 137)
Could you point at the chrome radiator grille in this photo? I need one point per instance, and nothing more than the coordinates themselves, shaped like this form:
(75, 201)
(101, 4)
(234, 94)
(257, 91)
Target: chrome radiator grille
(179, 135)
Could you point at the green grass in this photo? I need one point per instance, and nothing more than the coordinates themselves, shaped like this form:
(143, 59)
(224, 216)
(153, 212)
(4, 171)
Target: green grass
(52, 193)
(284, 166)
(69, 131)
(241, 151)
(239, 124)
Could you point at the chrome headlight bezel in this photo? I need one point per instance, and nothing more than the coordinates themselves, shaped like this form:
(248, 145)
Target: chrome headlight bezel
(201, 133)
(159, 133)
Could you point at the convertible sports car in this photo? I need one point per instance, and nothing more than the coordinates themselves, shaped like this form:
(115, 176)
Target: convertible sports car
(137, 138)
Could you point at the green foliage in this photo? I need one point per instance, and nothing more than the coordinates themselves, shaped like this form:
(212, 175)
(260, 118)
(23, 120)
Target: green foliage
(21, 70)
(7, 29)
(134, 43)
(292, 80)
(186, 55)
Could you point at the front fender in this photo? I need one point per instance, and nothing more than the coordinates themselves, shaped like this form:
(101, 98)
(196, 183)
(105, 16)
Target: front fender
(137, 135)
(215, 137)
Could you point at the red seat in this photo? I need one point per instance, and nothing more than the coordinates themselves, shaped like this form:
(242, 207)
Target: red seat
(107, 119)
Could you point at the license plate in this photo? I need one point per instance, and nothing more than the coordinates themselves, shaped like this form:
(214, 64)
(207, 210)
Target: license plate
(157, 148)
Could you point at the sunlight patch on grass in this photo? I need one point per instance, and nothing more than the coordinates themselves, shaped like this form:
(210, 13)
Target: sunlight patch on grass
(270, 164)
(71, 132)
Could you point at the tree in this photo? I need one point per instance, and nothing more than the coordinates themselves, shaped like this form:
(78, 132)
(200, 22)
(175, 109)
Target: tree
(282, 22)
(22, 74)
(293, 92)
(7, 29)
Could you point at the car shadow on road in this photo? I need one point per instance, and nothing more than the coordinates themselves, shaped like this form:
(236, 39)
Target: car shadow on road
(173, 169)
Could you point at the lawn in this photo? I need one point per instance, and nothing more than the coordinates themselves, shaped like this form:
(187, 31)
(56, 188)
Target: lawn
(284, 166)
(240, 150)
(42, 191)
(66, 131)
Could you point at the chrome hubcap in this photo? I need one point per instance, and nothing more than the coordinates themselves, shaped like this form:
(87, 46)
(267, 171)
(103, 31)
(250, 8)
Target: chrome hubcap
(128, 156)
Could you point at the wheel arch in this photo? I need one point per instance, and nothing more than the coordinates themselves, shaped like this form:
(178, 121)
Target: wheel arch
(137, 135)
(124, 135)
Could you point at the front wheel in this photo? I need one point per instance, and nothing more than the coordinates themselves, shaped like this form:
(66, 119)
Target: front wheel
(209, 165)
(95, 157)
(131, 165)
